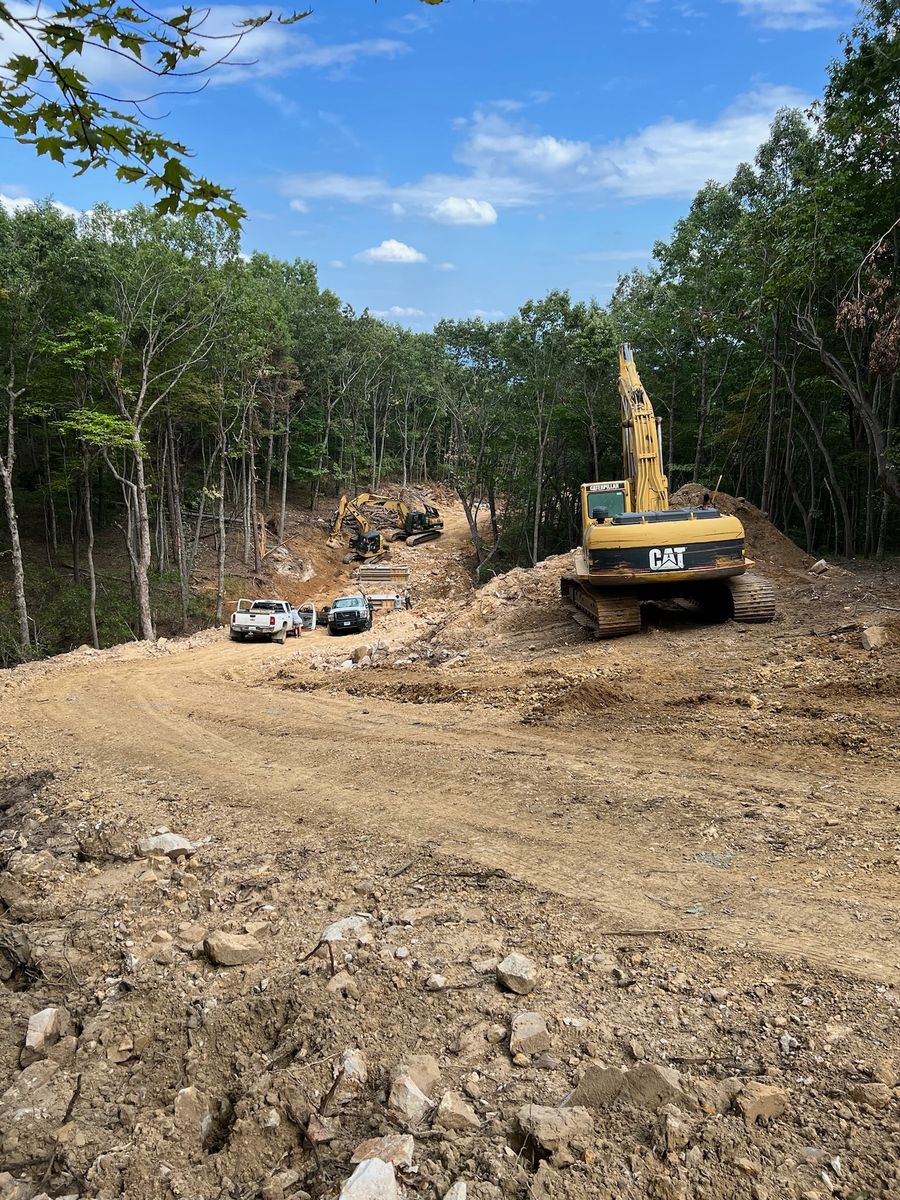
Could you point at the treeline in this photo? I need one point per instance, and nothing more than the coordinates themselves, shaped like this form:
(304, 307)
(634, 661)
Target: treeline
(159, 385)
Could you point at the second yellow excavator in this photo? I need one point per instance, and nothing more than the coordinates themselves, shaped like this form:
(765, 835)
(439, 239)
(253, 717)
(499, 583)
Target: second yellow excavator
(416, 526)
(634, 547)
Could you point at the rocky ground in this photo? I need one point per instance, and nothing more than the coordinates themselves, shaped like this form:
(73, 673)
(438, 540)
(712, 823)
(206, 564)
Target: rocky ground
(473, 907)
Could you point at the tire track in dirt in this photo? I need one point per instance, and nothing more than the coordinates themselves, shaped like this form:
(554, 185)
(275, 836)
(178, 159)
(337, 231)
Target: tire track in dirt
(480, 784)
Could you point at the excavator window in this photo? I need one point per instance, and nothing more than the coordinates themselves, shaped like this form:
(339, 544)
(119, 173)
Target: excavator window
(612, 502)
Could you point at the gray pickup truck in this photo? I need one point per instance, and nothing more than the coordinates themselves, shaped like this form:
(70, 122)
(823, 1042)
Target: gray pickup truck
(349, 614)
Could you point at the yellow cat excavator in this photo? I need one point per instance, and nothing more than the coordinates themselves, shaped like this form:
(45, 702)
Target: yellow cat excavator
(416, 526)
(365, 544)
(634, 547)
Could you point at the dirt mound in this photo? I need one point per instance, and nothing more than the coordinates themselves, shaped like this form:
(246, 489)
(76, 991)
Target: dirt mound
(519, 610)
(766, 544)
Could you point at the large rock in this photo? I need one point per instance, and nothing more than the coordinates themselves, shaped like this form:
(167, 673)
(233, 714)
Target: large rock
(44, 1029)
(455, 1113)
(875, 1095)
(528, 1034)
(458, 1191)
(423, 1069)
(760, 1103)
(372, 1180)
(348, 929)
(396, 1148)
(352, 1074)
(34, 1105)
(407, 1100)
(558, 1132)
(232, 949)
(194, 1113)
(517, 974)
(874, 637)
(172, 845)
(645, 1086)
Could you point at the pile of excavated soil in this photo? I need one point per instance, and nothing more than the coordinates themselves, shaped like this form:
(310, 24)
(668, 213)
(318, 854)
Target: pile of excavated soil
(773, 551)
(519, 610)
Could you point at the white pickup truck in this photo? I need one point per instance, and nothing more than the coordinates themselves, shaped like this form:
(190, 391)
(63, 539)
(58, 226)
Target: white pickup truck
(272, 619)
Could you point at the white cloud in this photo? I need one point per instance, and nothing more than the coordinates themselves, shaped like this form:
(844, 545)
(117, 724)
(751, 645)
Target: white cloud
(337, 263)
(508, 165)
(14, 204)
(456, 210)
(299, 206)
(445, 266)
(397, 312)
(488, 314)
(794, 14)
(391, 251)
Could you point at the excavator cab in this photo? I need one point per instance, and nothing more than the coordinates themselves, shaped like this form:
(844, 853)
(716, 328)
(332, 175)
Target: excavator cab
(365, 545)
(604, 500)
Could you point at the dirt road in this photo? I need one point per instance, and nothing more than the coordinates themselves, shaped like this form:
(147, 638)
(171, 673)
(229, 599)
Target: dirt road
(684, 816)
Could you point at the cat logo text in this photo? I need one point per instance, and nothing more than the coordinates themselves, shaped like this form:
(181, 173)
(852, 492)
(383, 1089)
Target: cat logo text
(669, 558)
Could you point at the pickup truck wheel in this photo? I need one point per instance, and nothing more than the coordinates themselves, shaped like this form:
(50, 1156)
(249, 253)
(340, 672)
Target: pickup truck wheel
(236, 636)
(280, 637)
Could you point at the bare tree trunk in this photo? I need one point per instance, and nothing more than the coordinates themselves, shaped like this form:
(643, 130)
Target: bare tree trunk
(179, 551)
(220, 556)
(284, 479)
(254, 514)
(17, 564)
(144, 553)
(92, 575)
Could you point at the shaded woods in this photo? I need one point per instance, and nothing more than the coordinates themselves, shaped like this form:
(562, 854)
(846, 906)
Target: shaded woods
(158, 386)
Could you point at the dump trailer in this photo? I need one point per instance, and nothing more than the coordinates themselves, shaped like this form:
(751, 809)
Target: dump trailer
(635, 548)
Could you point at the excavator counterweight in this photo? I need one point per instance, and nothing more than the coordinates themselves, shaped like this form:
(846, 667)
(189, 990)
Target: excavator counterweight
(634, 547)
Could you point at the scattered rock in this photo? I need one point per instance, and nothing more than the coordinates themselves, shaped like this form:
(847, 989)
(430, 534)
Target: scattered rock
(819, 568)
(528, 1034)
(423, 1069)
(194, 1113)
(557, 1132)
(348, 929)
(646, 1085)
(761, 1103)
(232, 949)
(874, 637)
(455, 1113)
(372, 1180)
(396, 1148)
(875, 1095)
(321, 1130)
(172, 845)
(517, 974)
(435, 982)
(407, 1100)
(344, 984)
(458, 1191)
(44, 1030)
(354, 1075)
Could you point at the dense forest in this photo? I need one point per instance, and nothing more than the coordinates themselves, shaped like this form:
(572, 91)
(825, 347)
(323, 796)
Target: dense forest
(159, 384)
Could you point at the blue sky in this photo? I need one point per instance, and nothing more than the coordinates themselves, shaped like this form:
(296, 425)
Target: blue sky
(456, 160)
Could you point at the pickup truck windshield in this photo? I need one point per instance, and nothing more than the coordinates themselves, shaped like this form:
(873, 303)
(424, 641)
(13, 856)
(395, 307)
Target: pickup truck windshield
(267, 606)
(348, 602)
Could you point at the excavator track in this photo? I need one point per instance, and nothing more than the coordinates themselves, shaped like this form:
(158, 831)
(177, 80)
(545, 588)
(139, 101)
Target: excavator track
(752, 597)
(418, 539)
(610, 613)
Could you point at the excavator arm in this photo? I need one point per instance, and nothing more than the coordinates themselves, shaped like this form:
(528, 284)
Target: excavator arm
(641, 440)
